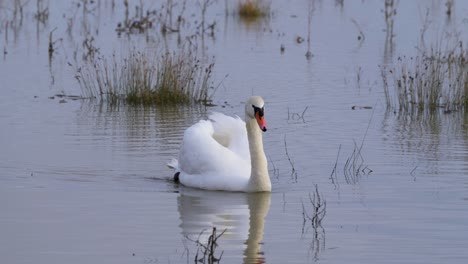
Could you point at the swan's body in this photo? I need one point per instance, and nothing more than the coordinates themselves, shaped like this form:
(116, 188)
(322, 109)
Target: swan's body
(224, 153)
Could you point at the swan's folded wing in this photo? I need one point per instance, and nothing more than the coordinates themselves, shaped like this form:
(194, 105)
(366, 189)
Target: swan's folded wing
(200, 153)
(231, 133)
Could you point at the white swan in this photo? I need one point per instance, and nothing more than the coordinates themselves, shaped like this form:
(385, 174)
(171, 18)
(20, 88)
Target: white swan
(224, 153)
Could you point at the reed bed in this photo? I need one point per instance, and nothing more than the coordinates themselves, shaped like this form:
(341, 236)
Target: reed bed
(253, 8)
(435, 78)
(146, 78)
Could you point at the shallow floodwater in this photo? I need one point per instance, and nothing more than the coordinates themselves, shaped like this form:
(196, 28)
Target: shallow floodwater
(85, 182)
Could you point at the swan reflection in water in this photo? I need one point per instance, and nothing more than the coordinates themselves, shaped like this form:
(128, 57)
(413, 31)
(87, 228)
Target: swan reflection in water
(241, 214)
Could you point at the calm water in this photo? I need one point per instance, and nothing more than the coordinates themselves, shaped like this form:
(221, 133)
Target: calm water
(82, 182)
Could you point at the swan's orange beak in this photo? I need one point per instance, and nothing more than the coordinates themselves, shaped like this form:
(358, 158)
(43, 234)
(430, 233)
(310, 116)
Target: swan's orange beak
(261, 122)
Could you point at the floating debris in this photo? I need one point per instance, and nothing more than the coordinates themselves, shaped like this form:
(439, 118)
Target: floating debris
(355, 107)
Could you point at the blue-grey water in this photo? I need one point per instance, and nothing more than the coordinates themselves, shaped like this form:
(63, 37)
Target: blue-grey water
(82, 181)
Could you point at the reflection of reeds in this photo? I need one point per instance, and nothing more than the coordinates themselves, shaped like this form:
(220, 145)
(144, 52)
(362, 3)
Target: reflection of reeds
(433, 78)
(319, 210)
(206, 251)
(204, 4)
(42, 13)
(144, 78)
(138, 24)
(253, 8)
(390, 12)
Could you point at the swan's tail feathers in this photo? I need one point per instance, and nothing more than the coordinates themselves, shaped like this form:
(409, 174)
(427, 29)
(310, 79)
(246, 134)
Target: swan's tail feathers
(173, 164)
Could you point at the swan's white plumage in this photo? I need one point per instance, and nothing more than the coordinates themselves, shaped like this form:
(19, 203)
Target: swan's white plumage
(204, 162)
(231, 133)
(215, 155)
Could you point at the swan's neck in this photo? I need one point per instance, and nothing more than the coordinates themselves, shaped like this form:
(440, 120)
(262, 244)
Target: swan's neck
(259, 178)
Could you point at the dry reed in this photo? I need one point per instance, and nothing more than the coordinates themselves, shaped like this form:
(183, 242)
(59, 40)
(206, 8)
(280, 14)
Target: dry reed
(432, 79)
(145, 78)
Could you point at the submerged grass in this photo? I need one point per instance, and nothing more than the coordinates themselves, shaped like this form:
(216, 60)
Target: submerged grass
(146, 78)
(253, 8)
(435, 78)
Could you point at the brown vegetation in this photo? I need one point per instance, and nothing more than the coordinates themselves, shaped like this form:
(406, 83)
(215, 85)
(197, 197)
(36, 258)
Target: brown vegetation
(253, 8)
(145, 78)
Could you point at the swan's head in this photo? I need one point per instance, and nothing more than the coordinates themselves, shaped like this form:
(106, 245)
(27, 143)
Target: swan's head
(255, 108)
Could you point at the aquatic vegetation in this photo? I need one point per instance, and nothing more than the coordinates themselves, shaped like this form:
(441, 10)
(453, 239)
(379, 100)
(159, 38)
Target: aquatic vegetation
(293, 169)
(311, 10)
(361, 37)
(354, 166)
(145, 78)
(51, 43)
(206, 251)
(433, 78)
(449, 4)
(295, 117)
(253, 8)
(319, 210)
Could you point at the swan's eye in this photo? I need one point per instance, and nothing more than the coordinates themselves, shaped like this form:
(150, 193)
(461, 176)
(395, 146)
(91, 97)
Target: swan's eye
(259, 110)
